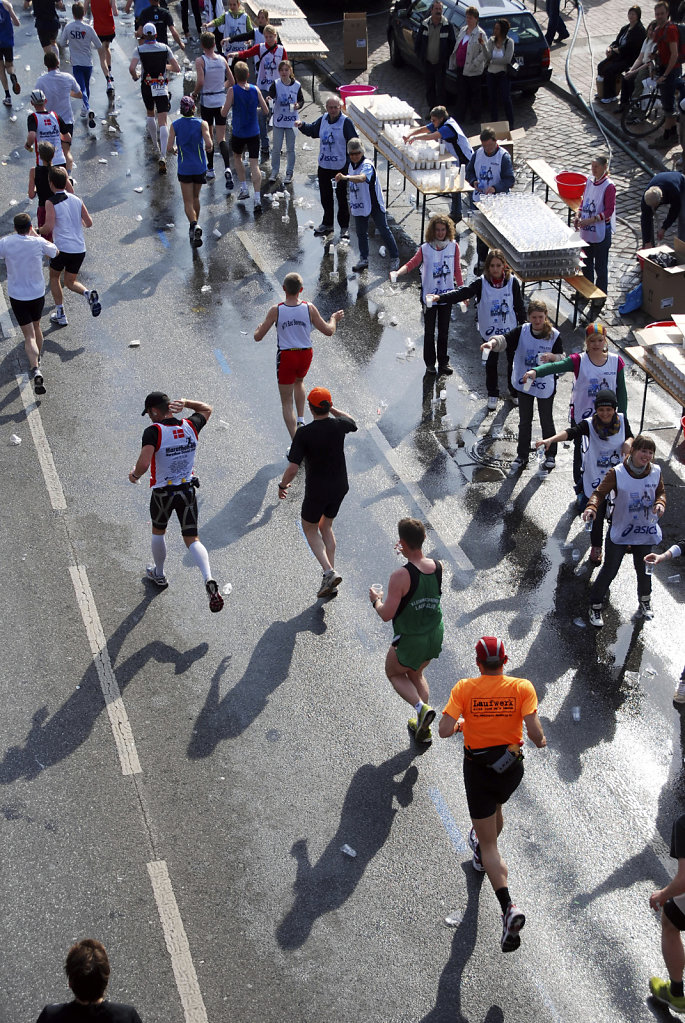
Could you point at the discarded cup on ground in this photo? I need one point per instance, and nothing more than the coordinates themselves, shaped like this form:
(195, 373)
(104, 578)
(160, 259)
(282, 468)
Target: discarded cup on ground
(227, 590)
(348, 850)
(382, 251)
(674, 579)
(134, 344)
(15, 440)
(216, 232)
(443, 394)
(575, 713)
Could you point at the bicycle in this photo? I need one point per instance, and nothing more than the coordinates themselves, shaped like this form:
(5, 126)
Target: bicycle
(643, 115)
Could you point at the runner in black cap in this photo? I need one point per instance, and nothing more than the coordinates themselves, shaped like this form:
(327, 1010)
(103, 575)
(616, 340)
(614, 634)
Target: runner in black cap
(168, 450)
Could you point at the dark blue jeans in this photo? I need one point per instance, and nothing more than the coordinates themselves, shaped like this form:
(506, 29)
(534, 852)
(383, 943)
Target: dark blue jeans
(499, 89)
(597, 261)
(361, 226)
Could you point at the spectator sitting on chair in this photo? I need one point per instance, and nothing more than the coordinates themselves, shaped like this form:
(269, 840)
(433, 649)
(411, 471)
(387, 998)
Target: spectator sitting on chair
(621, 53)
(641, 69)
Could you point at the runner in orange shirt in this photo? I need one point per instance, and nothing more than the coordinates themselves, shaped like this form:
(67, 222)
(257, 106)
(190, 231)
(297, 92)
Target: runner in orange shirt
(104, 12)
(490, 711)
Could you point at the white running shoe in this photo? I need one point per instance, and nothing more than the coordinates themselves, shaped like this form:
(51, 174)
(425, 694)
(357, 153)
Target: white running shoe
(159, 580)
(243, 194)
(596, 616)
(512, 924)
(210, 173)
(492, 403)
(59, 317)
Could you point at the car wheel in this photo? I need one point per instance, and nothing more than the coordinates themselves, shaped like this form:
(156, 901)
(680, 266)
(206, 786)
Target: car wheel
(395, 55)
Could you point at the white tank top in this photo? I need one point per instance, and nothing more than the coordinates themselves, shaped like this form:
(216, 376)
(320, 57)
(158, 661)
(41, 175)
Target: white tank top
(601, 455)
(634, 520)
(591, 204)
(47, 130)
(496, 313)
(526, 357)
(214, 87)
(286, 95)
(360, 191)
(68, 232)
(589, 381)
(174, 457)
(293, 326)
(437, 269)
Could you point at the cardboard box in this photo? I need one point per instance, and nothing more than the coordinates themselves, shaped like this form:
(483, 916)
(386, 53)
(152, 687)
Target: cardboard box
(505, 137)
(663, 288)
(355, 41)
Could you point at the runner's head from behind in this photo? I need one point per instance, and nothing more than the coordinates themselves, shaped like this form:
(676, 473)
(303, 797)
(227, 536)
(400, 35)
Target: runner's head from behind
(241, 72)
(490, 655)
(149, 32)
(187, 106)
(58, 179)
(38, 99)
(78, 11)
(320, 402)
(87, 969)
(208, 42)
(157, 406)
(22, 223)
(293, 285)
(412, 534)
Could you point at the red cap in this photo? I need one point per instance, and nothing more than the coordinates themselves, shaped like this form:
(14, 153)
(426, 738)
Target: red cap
(320, 399)
(490, 651)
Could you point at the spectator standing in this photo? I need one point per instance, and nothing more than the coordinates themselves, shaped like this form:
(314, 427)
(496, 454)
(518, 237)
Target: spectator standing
(669, 61)
(500, 56)
(596, 221)
(622, 53)
(468, 60)
(555, 23)
(88, 971)
(434, 43)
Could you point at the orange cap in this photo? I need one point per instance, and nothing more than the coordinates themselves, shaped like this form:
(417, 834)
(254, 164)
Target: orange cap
(320, 399)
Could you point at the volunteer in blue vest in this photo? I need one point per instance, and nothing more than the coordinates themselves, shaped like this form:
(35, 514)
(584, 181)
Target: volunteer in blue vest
(7, 19)
(639, 503)
(168, 450)
(524, 346)
(596, 221)
(267, 55)
(443, 128)
(491, 172)
(366, 200)
(245, 100)
(607, 437)
(193, 140)
(594, 370)
(333, 130)
(286, 98)
(213, 74)
(438, 260)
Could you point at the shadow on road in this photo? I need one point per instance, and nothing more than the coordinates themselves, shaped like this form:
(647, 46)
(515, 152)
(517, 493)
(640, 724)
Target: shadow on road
(365, 821)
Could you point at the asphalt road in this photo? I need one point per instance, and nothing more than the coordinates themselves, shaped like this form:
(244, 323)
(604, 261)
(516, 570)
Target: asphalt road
(263, 739)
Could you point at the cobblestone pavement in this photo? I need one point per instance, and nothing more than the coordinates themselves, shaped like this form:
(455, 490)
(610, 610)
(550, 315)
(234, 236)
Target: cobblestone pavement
(555, 129)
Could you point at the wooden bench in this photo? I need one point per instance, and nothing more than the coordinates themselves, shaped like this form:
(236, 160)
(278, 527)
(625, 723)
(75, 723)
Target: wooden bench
(584, 289)
(541, 169)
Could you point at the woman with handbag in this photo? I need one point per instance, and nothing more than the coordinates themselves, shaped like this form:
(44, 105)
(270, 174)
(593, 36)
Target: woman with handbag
(500, 56)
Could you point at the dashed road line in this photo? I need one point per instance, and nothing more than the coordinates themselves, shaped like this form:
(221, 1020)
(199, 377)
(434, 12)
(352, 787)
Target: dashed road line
(118, 718)
(5, 318)
(448, 822)
(223, 362)
(177, 943)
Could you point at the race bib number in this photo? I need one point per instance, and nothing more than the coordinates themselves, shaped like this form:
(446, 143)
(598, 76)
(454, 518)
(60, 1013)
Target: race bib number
(158, 88)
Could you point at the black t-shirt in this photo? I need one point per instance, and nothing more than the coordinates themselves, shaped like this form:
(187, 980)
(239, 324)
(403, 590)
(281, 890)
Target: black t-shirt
(104, 1012)
(161, 18)
(151, 433)
(322, 446)
(678, 838)
(44, 10)
(43, 190)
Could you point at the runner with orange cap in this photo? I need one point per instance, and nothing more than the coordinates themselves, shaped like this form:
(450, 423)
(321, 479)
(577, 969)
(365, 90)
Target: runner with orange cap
(490, 711)
(321, 445)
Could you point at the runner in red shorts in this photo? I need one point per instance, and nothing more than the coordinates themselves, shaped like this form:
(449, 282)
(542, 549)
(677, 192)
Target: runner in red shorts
(294, 320)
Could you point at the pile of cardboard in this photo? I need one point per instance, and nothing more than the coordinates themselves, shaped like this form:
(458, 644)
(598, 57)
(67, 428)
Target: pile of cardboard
(663, 288)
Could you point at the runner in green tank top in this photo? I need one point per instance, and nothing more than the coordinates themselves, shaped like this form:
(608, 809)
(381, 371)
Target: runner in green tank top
(413, 604)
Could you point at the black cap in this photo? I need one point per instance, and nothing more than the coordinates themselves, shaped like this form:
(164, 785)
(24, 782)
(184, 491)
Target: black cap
(156, 399)
(605, 397)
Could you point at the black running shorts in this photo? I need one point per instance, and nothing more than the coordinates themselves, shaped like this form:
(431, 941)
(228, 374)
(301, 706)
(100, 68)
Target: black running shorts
(239, 144)
(163, 502)
(212, 115)
(162, 104)
(69, 261)
(486, 790)
(675, 914)
(316, 505)
(27, 311)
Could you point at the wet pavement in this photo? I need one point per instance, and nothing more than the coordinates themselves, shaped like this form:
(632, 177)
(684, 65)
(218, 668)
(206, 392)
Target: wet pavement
(267, 736)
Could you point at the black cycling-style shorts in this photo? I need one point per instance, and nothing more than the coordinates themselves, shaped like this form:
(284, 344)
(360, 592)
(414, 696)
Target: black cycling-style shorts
(486, 790)
(164, 501)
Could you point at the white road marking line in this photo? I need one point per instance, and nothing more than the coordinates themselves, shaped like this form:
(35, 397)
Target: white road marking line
(5, 318)
(47, 464)
(177, 943)
(118, 718)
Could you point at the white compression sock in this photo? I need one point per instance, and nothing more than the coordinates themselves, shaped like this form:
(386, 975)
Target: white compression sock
(198, 553)
(152, 128)
(158, 544)
(163, 139)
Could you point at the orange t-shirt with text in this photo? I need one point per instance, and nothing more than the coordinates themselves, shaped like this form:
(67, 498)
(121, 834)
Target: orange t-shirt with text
(493, 708)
